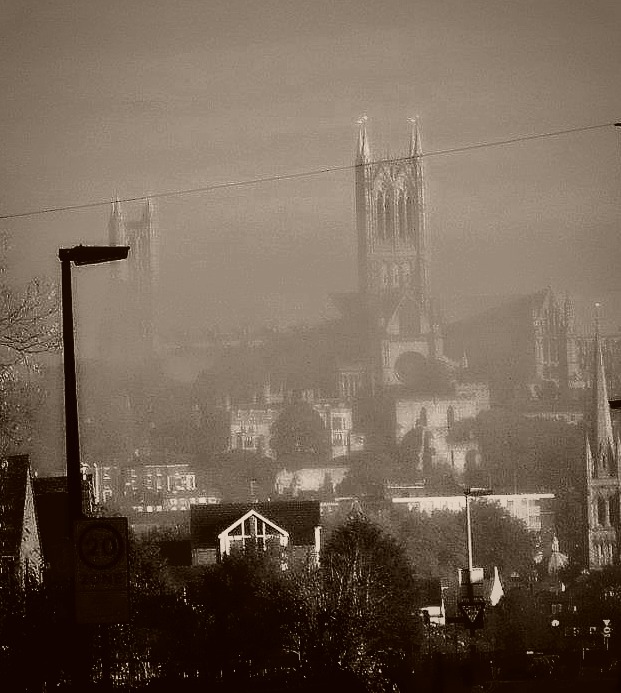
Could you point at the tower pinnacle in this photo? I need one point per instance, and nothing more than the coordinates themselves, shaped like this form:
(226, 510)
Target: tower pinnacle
(416, 148)
(363, 154)
(116, 229)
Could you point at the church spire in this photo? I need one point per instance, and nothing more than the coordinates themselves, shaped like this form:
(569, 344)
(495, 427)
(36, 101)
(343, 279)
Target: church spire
(363, 154)
(602, 441)
(416, 147)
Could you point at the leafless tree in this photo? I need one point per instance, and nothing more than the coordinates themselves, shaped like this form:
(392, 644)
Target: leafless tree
(29, 327)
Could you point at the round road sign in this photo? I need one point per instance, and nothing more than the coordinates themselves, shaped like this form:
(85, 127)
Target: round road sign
(100, 546)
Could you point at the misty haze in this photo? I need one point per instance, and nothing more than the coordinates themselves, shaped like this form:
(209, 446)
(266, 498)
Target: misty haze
(346, 416)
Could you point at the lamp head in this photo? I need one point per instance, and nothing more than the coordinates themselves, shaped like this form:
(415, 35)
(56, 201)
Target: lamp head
(93, 254)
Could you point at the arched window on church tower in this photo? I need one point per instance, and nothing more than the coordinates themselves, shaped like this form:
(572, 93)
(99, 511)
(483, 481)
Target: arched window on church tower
(422, 419)
(395, 275)
(613, 510)
(379, 209)
(602, 519)
(450, 417)
(388, 217)
(401, 216)
(385, 353)
(411, 217)
(385, 278)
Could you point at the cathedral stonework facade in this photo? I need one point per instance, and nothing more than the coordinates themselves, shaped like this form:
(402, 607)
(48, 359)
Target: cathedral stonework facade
(392, 259)
(403, 359)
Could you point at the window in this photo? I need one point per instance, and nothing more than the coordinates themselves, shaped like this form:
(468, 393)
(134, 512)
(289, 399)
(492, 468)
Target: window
(395, 275)
(422, 419)
(402, 221)
(405, 274)
(338, 438)
(450, 417)
(384, 275)
(379, 206)
(388, 217)
(338, 423)
(409, 205)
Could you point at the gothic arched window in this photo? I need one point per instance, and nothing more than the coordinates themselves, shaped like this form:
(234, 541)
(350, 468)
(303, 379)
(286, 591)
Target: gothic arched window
(401, 216)
(379, 208)
(422, 419)
(613, 510)
(395, 275)
(602, 520)
(450, 417)
(385, 278)
(388, 217)
(411, 218)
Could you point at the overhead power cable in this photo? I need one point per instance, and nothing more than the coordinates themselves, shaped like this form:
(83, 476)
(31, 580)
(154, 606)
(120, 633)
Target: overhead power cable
(302, 174)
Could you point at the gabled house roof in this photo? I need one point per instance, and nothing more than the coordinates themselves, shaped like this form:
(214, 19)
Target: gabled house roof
(252, 512)
(298, 518)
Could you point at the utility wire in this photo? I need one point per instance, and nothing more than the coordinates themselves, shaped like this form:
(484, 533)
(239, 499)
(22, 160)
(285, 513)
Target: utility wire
(304, 174)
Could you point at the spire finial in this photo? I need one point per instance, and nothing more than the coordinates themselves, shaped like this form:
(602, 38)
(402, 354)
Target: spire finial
(416, 148)
(115, 225)
(364, 153)
(597, 318)
(148, 207)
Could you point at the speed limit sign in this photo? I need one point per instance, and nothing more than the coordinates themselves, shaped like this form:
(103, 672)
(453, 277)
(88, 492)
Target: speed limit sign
(101, 570)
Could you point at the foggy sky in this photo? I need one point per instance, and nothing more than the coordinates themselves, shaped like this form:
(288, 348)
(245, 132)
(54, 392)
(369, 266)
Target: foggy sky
(135, 97)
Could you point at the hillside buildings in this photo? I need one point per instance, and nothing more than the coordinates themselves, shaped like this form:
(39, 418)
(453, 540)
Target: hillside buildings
(526, 349)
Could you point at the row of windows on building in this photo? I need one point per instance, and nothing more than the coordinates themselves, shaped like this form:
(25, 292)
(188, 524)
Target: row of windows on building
(349, 385)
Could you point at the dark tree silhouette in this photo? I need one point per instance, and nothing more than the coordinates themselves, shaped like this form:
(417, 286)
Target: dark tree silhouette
(299, 430)
(358, 610)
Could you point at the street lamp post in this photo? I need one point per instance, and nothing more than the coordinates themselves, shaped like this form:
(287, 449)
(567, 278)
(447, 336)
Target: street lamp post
(470, 492)
(79, 255)
(471, 603)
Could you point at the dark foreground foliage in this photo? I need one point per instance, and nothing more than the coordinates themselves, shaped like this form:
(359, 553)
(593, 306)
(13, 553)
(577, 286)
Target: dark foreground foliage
(243, 625)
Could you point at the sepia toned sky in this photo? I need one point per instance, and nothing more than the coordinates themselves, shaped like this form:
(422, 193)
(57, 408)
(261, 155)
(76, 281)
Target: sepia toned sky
(131, 98)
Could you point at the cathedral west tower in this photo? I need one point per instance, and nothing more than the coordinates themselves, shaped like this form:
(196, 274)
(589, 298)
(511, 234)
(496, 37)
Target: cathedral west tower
(390, 221)
(134, 283)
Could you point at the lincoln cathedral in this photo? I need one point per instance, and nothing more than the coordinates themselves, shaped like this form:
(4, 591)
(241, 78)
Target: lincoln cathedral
(387, 372)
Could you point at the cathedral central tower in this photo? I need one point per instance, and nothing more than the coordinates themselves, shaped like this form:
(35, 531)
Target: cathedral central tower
(390, 221)
(393, 263)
